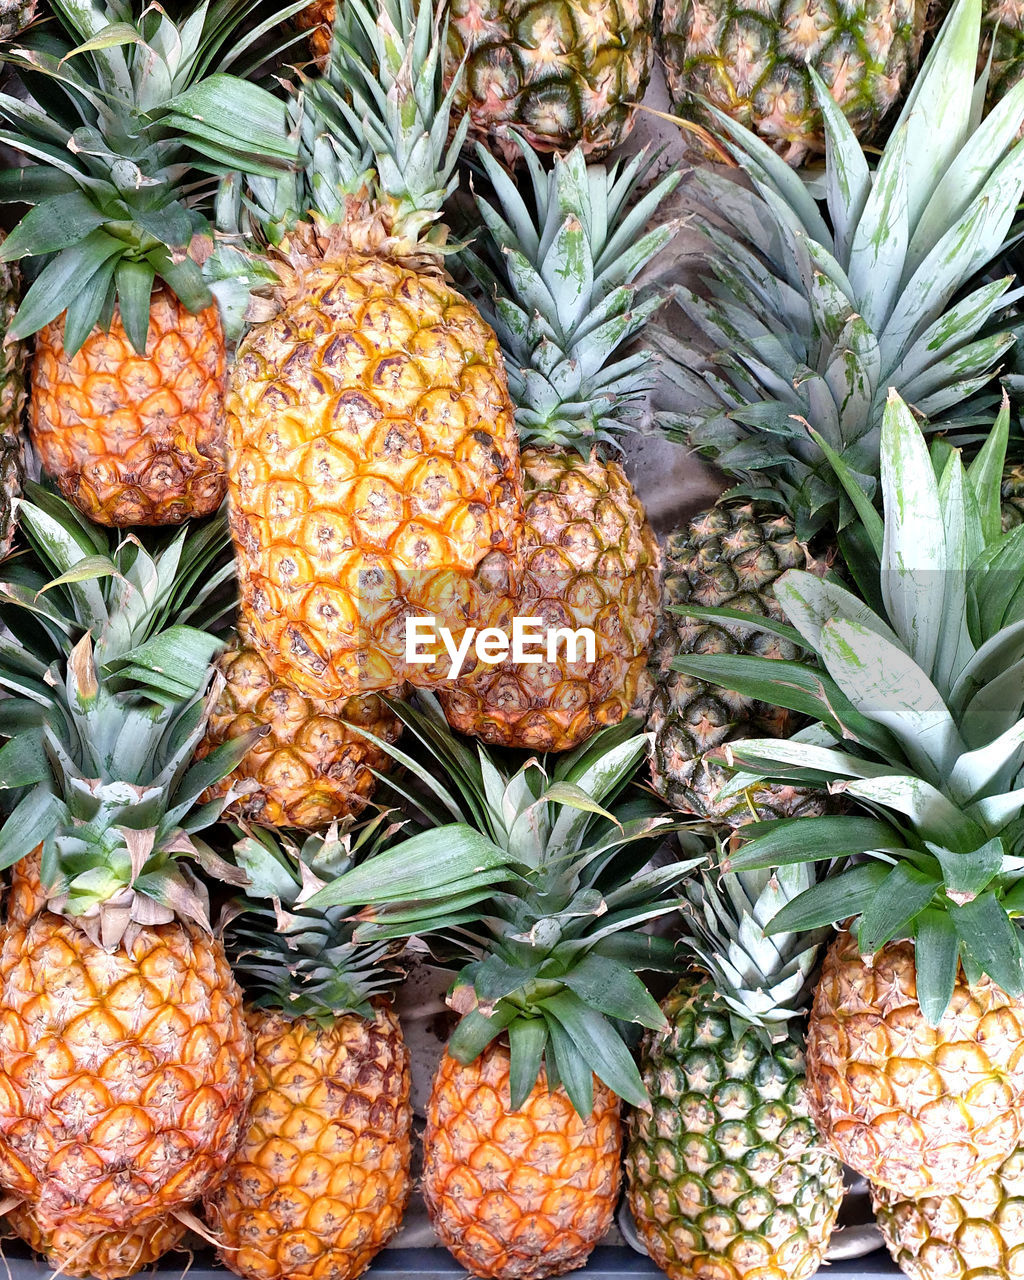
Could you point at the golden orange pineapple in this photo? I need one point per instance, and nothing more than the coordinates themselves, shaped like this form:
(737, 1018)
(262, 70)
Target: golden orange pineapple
(321, 1179)
(559, 275)
(868, 1040)
(125, 1062)
(374, 465)
(317, 18)
(312, 768)
(133, 439)
(498, 1213)
(126, 410)
(523, 1141)
(106, 1256)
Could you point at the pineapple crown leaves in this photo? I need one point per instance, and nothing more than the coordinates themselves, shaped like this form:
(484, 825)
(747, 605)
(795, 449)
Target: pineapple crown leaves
(376, 163)
(103, 720)
(919, 710)
(762, 979)
(558, 288)
(296, 958)
(810, 321)
(539, 878)
(133, 111)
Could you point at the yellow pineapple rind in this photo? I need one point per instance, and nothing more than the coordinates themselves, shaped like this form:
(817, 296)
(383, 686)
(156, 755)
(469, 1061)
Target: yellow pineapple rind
(321, 1178)
(517, 1195)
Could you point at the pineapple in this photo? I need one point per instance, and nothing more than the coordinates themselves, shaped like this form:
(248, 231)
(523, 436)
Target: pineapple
(752, 62)
(559, 75)
(126, 411)
(374, 466)
(563, 305)
(800, 332)
(321, 1178)
(523, 1140)
(978, 1233)
(312, 767)
(726, 1174)
(125, 1064)
(915, 1048)
(1013, 496)
(12, 404)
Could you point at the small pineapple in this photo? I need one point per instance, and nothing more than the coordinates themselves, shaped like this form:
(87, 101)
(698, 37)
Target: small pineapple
(915, 1046)
(321, 1178)
(523, 1142)
(127, 404)
(313, 767)
(12, 403)
(559, 276)
(120, 1006)
(373, 460)
(726, 1174)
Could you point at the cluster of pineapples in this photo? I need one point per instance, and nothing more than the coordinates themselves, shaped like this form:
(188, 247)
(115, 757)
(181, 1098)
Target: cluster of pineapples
(730, 899)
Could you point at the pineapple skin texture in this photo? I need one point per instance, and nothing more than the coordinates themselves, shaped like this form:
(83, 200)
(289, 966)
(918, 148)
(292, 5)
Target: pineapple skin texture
(130, 439)
(588, 558)
(374, 467)
(312, 768)
(924, 1111)
(751, 61)
(321, 1179)
(726, 1177)
(727, 557)
(558, 72)
(124, 1075)
(1012, 494)
(978, 1233)
(517, 1195)
(106, 1256)
(12, 389)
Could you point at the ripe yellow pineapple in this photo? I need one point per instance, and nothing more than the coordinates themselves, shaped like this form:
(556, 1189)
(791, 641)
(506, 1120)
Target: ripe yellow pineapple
(321, 1178)
(106, 1256)
(125, 1062)
(588, 557)
(134, 439)
(867, 1036)
(522, 1148)
(312, 768)
(501, 1214)
(374, 467)
(126, 410)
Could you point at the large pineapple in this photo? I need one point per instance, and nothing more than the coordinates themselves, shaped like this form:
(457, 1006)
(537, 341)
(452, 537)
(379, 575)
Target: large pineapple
(726, 1173)
(126, 412)
(558, 75)
(321, 1178)
(12, 403)
(752, 60)
(374, 469)
(125, 1064)
(523, 1141)
(806, 320)
(313, 766)
(915, 1049)
(559, 276)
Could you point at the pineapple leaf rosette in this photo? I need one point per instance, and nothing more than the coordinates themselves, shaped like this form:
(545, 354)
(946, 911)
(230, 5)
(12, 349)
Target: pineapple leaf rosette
(818, 297)
(918, 724)
(548, 997)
